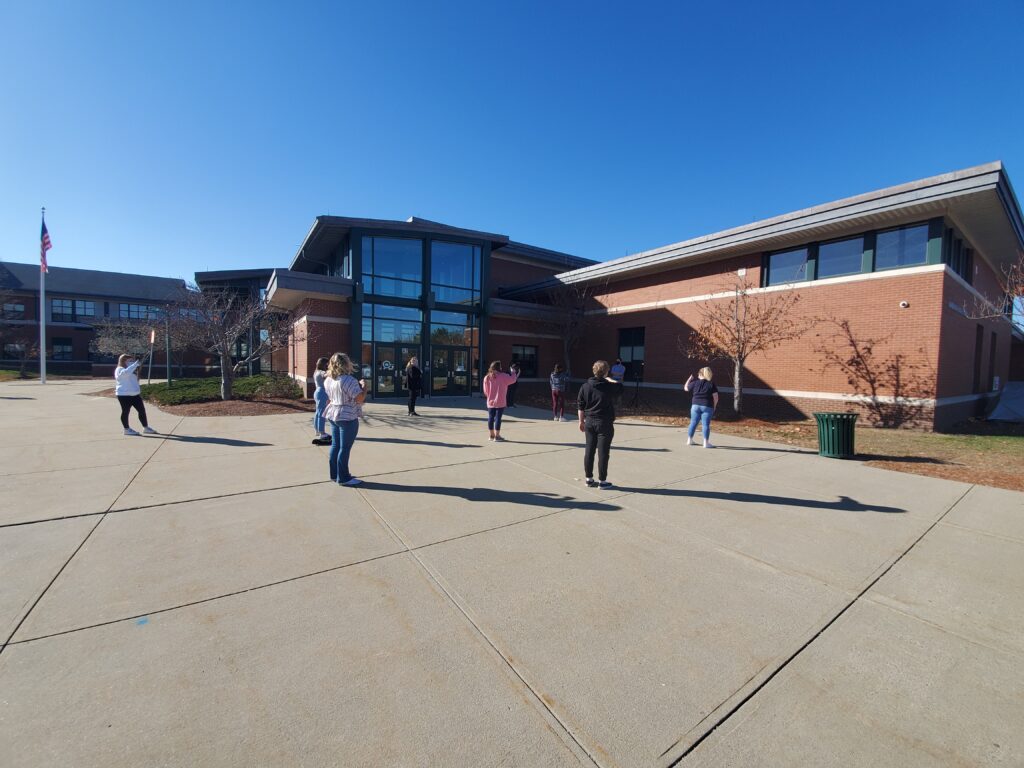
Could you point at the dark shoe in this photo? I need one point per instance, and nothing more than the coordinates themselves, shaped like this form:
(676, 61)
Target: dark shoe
(604, 484)
(590, 482)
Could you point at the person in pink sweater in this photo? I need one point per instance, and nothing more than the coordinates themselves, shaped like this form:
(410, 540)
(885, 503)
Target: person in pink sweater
(496, 384)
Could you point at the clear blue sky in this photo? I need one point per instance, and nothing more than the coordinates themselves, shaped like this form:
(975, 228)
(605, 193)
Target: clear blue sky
(174, 137)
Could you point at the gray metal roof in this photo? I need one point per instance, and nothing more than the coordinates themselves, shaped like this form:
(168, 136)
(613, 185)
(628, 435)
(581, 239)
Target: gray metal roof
(327, 234)
(981, 197)
(89, 282)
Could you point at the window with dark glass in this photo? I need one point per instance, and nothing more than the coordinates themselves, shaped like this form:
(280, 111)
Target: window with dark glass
(959, 256)
(62, 310)
(631, 352)
(62, 349)
(14, 311)
(787, 267)
(14, 350)
(840, 257)
(383, 322)
(453, 328)
(85, 308)
(455, 272)
(903, 247)
(393, 266)
(137, 312)
(527, 359)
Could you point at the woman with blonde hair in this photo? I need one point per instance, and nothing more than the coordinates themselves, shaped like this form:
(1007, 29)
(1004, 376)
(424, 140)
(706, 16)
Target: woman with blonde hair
(496, 384)
(702, 408)
(345, 397)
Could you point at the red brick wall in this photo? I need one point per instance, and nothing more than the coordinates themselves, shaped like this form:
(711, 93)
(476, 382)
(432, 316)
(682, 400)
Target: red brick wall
(313, 338)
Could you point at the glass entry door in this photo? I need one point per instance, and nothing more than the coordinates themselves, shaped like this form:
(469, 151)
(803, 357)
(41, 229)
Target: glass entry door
(450, 370)
(386, 379)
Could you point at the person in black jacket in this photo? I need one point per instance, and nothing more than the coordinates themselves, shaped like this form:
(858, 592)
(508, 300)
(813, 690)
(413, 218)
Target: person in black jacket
(510, 396)
(596, 405)
(414, 383)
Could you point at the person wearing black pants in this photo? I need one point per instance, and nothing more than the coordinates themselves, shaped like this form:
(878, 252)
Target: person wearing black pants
(414, 382)
(595, 404)
(510, 396)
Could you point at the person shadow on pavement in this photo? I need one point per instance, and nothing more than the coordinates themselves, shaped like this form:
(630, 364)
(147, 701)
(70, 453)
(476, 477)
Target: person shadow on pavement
(493, 495)
(844, 503)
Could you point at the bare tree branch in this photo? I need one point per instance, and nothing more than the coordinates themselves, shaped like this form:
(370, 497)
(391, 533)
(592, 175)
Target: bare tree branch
(1009, 304)
(894, 388)
(747, 323)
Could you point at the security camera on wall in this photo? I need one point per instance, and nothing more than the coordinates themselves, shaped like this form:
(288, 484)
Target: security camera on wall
(904, 304)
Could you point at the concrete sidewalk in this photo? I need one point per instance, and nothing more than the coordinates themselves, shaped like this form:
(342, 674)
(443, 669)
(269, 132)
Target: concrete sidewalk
(206, 597)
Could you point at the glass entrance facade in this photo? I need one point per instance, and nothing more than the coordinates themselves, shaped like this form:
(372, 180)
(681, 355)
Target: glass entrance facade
(422, 298)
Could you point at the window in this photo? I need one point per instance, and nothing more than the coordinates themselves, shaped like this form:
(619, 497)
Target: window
(137, 312)
(455, 272)
(631, 352)
(393, 266)
(62, 310)
(62, 349)
(527, 359)
(786, 267)
(992, 363)
(958, 255)
(14, 351)
(14, 311)
(902, 247)
(841, 257)
(382, 322)
(85, 309)
(979, 341)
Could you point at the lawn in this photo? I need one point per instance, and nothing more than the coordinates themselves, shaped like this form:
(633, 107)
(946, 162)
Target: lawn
(188, 391)
(987, 453)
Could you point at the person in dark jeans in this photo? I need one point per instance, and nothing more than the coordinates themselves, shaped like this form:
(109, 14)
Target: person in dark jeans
(414, 382)
(510, 396)
(596, 406)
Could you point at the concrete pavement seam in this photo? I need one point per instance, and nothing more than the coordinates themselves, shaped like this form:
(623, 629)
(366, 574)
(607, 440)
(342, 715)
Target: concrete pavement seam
(757, 689)
(538, 701)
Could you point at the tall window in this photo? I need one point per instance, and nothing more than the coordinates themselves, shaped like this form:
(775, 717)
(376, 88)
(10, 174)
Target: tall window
(382, 322)
(787, 267)
(840, 257)
(992, 363)
(631, 352)
(62, 349)
(903, 247)
(14, 311)
(62, 310)
(393, 266)
(452, 328)
(527, 359)
(455, 272)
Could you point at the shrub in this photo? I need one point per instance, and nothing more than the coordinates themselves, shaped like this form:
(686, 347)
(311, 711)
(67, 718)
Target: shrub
(184, 391)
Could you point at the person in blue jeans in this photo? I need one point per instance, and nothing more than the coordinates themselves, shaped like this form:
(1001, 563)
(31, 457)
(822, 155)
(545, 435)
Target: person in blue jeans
(320, 399)
(705, 401)
(345, 397)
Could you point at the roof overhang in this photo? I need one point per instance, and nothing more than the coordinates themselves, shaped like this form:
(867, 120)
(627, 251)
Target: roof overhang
(979, 200)
(328, 233)
(524, 310)
(287, 289)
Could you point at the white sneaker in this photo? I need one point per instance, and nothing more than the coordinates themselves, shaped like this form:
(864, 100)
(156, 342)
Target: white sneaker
(150, 431)
(708, 445)
(131, 431)
(353, 481)
(689, 441)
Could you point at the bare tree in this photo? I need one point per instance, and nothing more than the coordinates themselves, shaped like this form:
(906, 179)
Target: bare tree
(570, 320)
(234, 327)
(893, 385)
(749, 321)
(1009, 304)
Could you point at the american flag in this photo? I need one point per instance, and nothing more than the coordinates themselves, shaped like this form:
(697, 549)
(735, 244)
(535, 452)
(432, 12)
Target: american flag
(44, 246)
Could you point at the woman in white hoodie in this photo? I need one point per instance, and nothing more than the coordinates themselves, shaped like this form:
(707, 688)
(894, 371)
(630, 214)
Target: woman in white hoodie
(129, 393)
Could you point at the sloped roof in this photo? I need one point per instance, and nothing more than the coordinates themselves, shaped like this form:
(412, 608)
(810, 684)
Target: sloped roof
(89, 282)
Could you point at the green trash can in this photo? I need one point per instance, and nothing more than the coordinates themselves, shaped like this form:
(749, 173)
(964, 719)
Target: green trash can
(835, 434)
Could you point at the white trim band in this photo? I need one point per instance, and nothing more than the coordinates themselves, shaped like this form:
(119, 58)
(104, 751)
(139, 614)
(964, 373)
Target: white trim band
(524, 335)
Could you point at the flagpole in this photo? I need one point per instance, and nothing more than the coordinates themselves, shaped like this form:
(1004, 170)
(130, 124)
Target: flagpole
(42, 318)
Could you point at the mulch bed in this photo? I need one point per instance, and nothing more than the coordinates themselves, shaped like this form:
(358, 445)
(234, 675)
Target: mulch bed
(263, 407)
